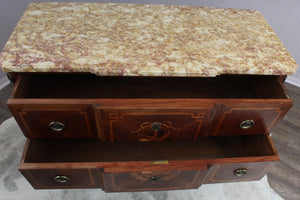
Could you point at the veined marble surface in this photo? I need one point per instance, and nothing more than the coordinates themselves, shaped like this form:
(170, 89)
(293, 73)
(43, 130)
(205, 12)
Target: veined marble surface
(144, 40)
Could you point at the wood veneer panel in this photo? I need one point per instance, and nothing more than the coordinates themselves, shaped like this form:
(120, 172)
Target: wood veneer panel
(34, 119)
(225, 172)
(78, 178)
(131, 125)
(141, 181)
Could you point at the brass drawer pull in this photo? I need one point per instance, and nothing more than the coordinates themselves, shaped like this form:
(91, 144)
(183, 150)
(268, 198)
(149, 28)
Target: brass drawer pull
(240, 172)
(155, 178)
(57, 126)
(156, 126)
(247, 124)
(61, 179)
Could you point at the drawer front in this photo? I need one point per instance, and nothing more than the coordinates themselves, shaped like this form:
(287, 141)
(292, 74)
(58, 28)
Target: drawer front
(54, 120)
(233, 172)
(62, 178)
(160, 180)
(152, 125)
(249, 119)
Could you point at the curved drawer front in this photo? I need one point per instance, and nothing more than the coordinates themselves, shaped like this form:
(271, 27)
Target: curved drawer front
(53, 120)
(233, 172)
(61, 178)
(149, 180)
(249, 119)
(154, 125)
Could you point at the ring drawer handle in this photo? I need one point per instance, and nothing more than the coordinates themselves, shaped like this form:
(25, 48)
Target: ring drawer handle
(155, 178)
(61, 179)
(240, 172)
(247, 124)
(56, 126)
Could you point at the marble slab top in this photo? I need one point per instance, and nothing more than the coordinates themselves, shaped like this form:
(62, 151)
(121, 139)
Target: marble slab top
(110, 39)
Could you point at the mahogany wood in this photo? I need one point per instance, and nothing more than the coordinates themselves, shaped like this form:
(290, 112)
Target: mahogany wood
(34, 120)
(264, 115)
(92, 150)
(225, 172)
(158, 180)
(129, 114)
(179, 117)
(119, 164)
(139, 124)
(77, 178)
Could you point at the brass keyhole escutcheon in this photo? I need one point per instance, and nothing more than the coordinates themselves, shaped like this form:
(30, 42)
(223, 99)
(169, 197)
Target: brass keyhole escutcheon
(155, 178)
(61, 179)
(57, 126)
(247, 124)
(240, 172)
(156, 126)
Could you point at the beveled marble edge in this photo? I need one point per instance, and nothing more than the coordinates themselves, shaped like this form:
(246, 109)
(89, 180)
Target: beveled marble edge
(170, 43)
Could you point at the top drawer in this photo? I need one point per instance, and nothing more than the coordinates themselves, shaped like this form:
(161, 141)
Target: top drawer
(86, 104)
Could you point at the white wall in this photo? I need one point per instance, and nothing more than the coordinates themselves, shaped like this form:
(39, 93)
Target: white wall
(282, 15)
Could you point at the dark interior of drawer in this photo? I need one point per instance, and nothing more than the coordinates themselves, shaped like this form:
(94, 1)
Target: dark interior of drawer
(92, 86)
(87, 150)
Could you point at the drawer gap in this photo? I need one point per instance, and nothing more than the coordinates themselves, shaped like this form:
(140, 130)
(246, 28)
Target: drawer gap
(92, 150)
(91, 86)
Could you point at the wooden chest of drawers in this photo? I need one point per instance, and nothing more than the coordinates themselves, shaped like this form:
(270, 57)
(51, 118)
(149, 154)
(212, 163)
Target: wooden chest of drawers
(166, 133)
(129, 97)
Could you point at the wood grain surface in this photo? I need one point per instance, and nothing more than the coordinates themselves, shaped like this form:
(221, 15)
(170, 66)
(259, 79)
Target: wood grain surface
(284, 178)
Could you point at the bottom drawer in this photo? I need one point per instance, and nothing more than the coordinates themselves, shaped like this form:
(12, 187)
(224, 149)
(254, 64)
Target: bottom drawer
(119, 167)
(157, 180)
